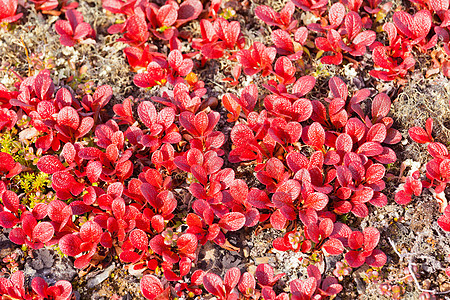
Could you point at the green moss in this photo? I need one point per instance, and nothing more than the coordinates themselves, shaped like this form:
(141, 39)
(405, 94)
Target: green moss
(21, 151)
(58, 250)
(34, 186)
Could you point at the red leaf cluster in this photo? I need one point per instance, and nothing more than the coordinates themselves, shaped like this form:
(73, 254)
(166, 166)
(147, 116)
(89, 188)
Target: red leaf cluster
(152, 182)
(8, 9)
(74, 30)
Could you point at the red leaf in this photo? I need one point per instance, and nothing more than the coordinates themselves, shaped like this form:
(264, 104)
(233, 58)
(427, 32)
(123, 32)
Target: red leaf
(360, 210)
(365, 38)
(155, 75)
(282, 41)
(239, 190)
(232, 221)
(284, 69)
(157, 223)
(303, 85)
(403, 22)
(7, 219)
(246, 283)
(371, 238)
(296, 161)
(264, 275)
(316, 201)
(91, 232)
(167, 15)
(316, 136)
(300, 35)
(375, 173)
(303, 109)
(39, 286)
(187, 243)
(354, 259)
(333, 246)
(115, 189)
(266, 14)
(274, 168)
(377, 133)
(85, 126)
(229, 101)
(421, 24)
(437, 150)
(151, 286)
(49, 164)
(129, 256)
(353, 24)
(6, 162)
(69, 153)
(419, 135)
(70, 245)
(438, 5)
(43, 232)
(332, 59)
(277, 220)
(249, 97)
(444, 222)
(189, 10)
(147, 113)
(81, 31)
(323, 44)
(336, 14)
(281, 245)
(214, 285)
(387, 156)
(344, 143)
(242, 135)
(370, 149)
(377, 259)
(356, 240)
(201, 122)
(303, 289)
(17, 236)
(93, 170)
(69, 117)
(338, 88)
(139, 239)
(175, 59)
(10, 201)
(231, 279)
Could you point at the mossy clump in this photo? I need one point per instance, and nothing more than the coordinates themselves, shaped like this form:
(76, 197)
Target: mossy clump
(423, 98)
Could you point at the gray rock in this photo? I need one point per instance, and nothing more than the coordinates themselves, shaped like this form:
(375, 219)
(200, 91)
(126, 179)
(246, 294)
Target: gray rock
(77, 295)
(330, 262)
(99, 278)
(43, 260)
(6, 248)
(360, 285)
(127, 297)
(49, 266)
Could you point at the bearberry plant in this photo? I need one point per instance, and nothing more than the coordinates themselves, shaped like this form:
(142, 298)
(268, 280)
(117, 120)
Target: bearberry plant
(91, 177)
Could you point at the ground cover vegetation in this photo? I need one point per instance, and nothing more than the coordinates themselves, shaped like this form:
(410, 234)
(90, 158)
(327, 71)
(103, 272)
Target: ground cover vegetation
(96, 178)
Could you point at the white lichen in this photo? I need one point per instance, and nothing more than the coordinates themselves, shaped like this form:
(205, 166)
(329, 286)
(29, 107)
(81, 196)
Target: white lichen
(349, 71)
(308, 18)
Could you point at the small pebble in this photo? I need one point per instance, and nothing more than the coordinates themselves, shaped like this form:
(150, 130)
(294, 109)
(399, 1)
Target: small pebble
(246, 252)
(263, 260)
(100, 277)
